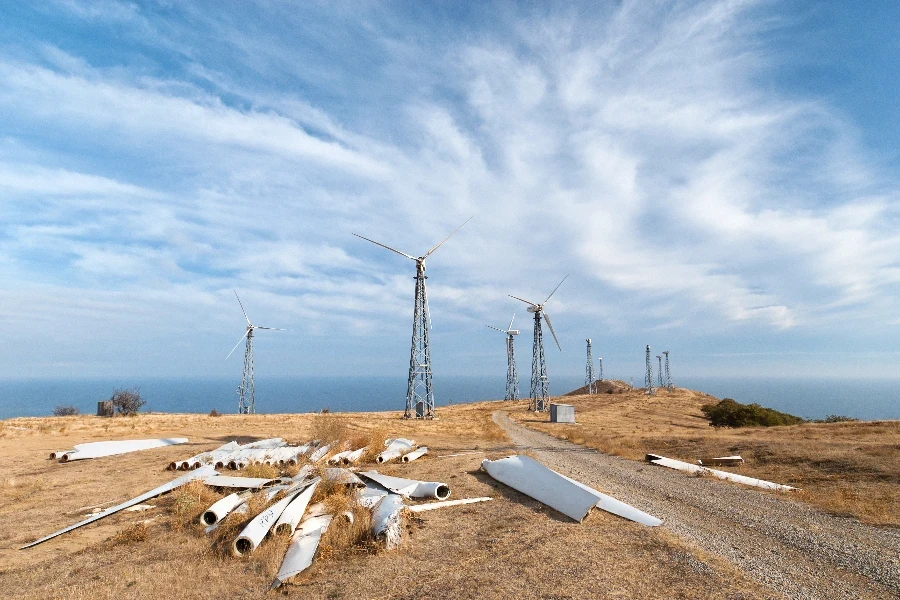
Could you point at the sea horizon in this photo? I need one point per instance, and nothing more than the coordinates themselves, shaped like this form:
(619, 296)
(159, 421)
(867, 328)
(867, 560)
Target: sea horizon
(810, 398)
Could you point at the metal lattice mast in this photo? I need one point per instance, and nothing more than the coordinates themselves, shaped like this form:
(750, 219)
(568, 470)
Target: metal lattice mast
(600, 365)
(589, 370)
(512, 375)
(247, 389)
(659, 372)
(540, 385)
(669, 383)
(648, 376)
(419, 390)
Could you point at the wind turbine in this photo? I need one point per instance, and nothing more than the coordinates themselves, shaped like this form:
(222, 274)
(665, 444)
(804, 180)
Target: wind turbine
(246, 391)
(419, 390)
(512, 376)
(540, 385)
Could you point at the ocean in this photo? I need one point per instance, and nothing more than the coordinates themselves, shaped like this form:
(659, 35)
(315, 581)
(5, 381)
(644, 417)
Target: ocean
(809, 398)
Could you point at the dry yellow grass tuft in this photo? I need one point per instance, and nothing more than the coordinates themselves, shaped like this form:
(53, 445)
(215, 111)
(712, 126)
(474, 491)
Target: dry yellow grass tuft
(133, 534)
(260, 470)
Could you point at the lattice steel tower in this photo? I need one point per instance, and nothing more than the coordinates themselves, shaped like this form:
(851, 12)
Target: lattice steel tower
(600, 365)
(589, 370)
(659, 371)
(669, 384)
(540, 385)
(419, 389)
(512, 376)
(247, 390)
(648, 376)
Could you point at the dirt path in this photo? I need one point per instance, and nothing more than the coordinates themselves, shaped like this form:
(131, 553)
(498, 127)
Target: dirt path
(791, 548)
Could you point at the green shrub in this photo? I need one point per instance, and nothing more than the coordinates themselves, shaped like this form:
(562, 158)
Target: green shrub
(838, 419)
(728, 413)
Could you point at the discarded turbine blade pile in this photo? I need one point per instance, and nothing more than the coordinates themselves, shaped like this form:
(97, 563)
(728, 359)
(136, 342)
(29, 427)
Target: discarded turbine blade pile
(570, 497)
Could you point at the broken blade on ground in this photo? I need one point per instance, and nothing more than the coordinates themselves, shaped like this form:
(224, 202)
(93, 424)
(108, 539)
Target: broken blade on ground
(722, 461)
(221, 508)
(394, 449)
(293, 513)
(447, 503)
(369, 496)
(249, 483)
(570, 497)
(343, 477)
(112, 448)
(387, 520)
(725, 475)
(411, 456)
(410, 487)
(166, 487)
(252, 535)
(302, 550)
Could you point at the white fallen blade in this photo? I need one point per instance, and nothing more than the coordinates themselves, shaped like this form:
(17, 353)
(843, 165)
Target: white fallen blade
(410, 487)
(369, 496)
(386, 520)
(112, 448)
(242, 509)
(319, 453)
(530, 477)
(398, 485)
(394, 449)
(688, 467)
(293, 513)
(203, 458)
(354, 456)
(300, 553)
(339, 457)
(415, 454)
(59, 453)
(344, 477)
(619, 508)
(249, 483)
(252, 535)
(435, 505)
(166, 487)
(221, 508)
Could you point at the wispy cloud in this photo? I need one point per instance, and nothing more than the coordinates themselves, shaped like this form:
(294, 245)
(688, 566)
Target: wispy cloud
(638, 148)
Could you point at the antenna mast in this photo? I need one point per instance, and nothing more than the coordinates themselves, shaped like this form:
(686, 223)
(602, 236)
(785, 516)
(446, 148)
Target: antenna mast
(589, 371)
(669, 383)
(648, 376)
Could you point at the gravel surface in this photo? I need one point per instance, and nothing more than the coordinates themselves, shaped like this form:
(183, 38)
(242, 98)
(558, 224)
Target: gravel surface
(792, 548)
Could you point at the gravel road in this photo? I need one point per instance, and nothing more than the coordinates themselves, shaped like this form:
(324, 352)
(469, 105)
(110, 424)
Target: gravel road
(794, 549)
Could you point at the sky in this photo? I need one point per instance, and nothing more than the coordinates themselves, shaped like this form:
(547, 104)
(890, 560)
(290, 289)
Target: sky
(717, 179)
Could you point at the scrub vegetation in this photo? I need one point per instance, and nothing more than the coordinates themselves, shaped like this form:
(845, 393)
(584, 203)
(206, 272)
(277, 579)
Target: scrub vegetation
(729, 413)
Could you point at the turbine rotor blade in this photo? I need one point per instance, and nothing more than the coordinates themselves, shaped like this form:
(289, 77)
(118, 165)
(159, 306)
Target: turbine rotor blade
(388, 247)
(495, 329)
(510, 322)
(242, 306)
(238, 344)
(556, 288)
(427, 254)
(272, 328)
(427, 307)
(522, 300)
(550, 325)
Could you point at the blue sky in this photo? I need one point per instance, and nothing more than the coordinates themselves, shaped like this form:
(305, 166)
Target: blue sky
(719, 179)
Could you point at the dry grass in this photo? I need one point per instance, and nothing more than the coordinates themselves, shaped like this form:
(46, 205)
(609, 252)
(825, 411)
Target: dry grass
(845, 468)
(134, 534)
(260, 470)
(526, 546)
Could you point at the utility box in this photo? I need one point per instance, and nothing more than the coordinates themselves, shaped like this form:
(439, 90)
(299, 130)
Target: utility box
(562, 413)
(105, 408)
